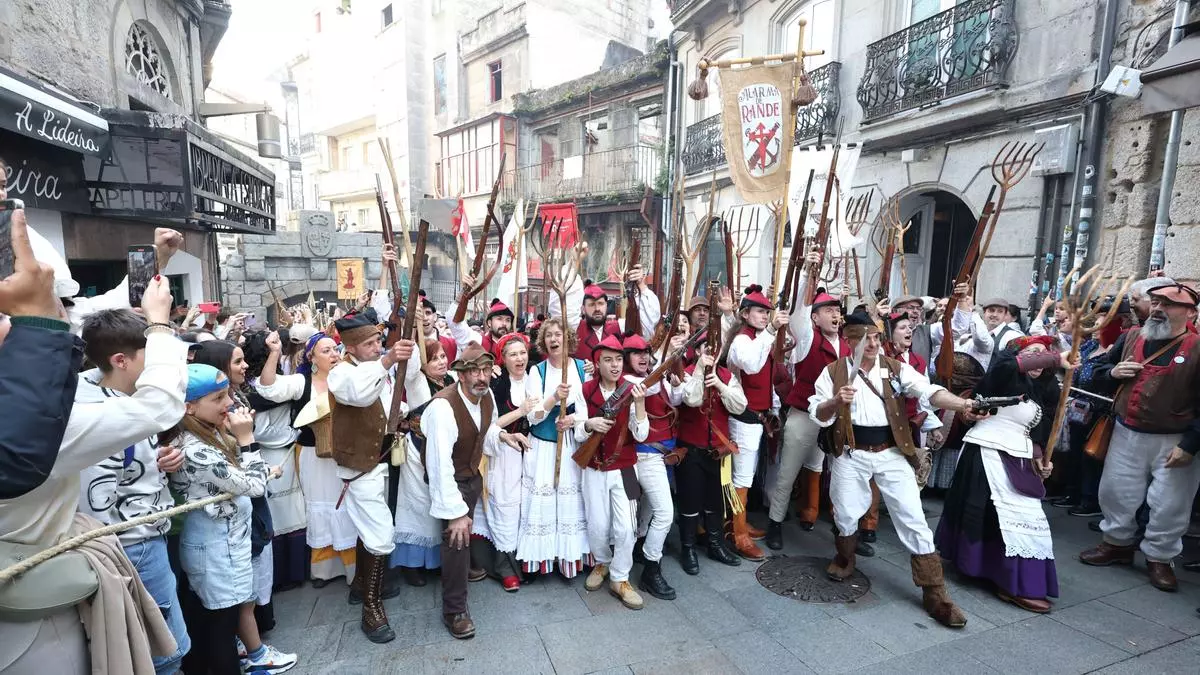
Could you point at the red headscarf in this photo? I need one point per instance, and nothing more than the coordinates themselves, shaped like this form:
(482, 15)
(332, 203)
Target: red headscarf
(1025, 341)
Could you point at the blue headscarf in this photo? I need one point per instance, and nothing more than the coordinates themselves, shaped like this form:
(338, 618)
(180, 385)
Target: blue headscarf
(305, 367)
(204, 380)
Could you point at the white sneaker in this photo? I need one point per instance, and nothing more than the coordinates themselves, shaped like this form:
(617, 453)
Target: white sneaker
(272, 661)
(241, 647)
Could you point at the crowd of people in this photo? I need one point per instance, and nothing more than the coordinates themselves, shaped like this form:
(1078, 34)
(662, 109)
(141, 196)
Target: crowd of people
(324, 449)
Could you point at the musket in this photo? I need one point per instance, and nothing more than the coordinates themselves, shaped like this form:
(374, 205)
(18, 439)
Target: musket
(990, 404)
(885, 269)
(397, 317)
(945, 359)
(408, 323)
(619, 400)
(823, 224)
(791, 277)
(633, 319)
(730, 280)
(460, 312)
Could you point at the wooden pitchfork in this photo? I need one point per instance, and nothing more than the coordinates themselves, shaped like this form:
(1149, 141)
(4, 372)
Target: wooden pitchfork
(743, 231)
(1011, 165)
(560, 269)
(857, 212)
(895, 228)
(693, 240)
(1081, 302)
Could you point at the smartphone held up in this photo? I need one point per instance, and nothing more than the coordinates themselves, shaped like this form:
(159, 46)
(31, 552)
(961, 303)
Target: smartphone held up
(7, 261)
(143, 265)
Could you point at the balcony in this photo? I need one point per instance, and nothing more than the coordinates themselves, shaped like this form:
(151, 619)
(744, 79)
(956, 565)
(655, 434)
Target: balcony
(308, 144)
(608, 175)
(964, 49)
(704, 148)
(345, 184)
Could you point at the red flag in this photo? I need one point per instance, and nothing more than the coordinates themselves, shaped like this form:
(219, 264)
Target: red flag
(458, 221)
(565, 219)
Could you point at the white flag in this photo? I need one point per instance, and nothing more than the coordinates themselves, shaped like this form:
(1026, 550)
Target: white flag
(514, 273)
(805, 159)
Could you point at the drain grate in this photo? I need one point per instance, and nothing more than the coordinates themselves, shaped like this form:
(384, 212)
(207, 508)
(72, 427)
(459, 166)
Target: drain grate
(803, 578)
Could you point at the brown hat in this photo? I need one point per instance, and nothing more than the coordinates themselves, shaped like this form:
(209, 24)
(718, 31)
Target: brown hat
(695, 302)
(907, 299)
(1177, 294)
(473, 357)
(357, 327)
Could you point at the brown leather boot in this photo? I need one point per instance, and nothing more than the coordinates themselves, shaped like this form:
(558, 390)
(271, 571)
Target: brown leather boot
(842, 566)
(742, 544)
(808, 504)
(374, 618)
(1162, 576)
(1106, 554)
(460, 625)
(927, 573)
(356, 586)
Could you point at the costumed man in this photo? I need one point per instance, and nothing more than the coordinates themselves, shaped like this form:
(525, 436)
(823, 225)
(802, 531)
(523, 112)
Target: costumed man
(860, 397)
(459, 424)
(922, 338)
(750, 358)
(654, 455)
(697, 315)
(429, 328)
(498, 323)
(587, 308)
(360, 399)
(818, 344)
(610, 480)
(712, 395)
(989, 332)
(1151, 456)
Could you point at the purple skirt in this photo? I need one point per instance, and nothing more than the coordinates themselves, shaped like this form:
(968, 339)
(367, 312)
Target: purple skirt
(969, 531)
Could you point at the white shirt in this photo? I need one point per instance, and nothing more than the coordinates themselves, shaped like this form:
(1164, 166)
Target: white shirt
(640, 429)
(749, 355)
(867, 409)
(733, 398)
(361, 383)
(801, 326)
(649, 309)
(979, 342)
(441, 433)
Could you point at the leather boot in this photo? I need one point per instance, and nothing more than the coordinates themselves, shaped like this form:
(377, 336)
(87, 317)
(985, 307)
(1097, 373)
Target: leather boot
(374, 618)
(460, 625)
(413, 576)
(639, 556)
(842, 566)
(717, 550)
(927, 574)
(652, 581)
(1106, 554)
(687, 545)
(870, 520)
(1162, 576)
(356, 586)
(742, 544)
(808, 503)
(863, 548)
(774, 535)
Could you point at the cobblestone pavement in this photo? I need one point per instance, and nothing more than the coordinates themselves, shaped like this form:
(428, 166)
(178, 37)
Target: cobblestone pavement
(1108, 620)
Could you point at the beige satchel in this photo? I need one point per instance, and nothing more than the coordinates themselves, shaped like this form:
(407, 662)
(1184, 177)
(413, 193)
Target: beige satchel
(61, 582)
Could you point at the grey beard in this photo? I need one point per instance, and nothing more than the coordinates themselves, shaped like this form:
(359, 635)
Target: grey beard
(1156, 329)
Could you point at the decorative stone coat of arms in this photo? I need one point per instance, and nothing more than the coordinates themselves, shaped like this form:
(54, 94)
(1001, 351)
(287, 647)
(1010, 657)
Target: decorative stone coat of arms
(316, 230)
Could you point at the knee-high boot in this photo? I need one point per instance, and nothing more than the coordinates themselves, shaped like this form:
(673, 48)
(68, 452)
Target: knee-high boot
(927, 573)
(842, 566)
(808, 503)
(743, 545)
(374, 618)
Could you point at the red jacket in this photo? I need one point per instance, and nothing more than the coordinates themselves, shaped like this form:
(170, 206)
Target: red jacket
(820, 355)
(587, 338)
(662, 417)
(610, 456)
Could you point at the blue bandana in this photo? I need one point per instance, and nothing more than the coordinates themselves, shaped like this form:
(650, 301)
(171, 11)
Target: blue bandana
(204, 380)
(305, 366)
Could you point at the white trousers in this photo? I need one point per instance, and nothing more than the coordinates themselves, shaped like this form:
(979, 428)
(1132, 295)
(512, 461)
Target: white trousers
(609, 520)
(747, 437)
(655, 509)
(850, 491)
(799, 451)
(366, 504)
(1135, 471)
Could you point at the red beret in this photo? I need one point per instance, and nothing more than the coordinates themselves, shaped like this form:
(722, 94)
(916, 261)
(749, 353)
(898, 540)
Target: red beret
(609, 344)
(636, 343)
(754, 298)
(594, 292)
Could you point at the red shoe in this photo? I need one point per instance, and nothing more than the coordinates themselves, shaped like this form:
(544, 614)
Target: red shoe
(511, 584)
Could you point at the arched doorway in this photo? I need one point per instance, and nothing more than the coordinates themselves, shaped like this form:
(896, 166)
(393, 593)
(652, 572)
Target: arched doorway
(939, 233)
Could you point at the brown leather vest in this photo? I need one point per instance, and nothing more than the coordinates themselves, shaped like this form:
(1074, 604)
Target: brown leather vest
(467, 452)
(893, 404)
(357, 432)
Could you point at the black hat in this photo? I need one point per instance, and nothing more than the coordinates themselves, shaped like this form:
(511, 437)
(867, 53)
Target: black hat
(859, 324)
(357, 327)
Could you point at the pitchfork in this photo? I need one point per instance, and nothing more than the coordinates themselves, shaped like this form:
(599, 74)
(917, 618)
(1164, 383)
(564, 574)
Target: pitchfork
(894, 227)
(1081, 302)
(857, 211)
(560, 270)
(693, 240)
(1011, 166)
(743, 230)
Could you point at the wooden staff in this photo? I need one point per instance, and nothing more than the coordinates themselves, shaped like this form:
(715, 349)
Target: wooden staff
(692, 243)
(1082, 303)
(889, 215)
(822, 237)
(1010, 167)
(468, 292)
(945, 358)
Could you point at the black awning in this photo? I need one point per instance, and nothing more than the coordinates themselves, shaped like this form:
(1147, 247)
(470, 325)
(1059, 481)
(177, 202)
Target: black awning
(1173, 81)
(167, 168)
(32, 110)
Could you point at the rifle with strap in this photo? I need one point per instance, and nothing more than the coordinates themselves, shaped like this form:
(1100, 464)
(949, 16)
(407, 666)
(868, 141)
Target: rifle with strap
(633, 320)
(389, 238)
(822, 239)
(621, 398)
(787, 294)
(945, 358)
(408, 323)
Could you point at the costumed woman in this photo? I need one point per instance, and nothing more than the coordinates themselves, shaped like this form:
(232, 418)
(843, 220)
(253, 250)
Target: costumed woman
(418, 535)
(553, 527)
(993, 526)
(497, 517)
(331, 534)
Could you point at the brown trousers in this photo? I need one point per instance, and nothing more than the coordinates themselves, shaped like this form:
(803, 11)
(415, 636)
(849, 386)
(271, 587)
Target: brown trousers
(456, 563)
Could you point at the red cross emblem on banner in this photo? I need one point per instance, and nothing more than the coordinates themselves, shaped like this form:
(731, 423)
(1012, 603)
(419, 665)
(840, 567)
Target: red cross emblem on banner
(760, 139)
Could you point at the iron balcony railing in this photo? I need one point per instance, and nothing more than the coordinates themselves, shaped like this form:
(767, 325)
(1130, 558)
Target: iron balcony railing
(308, 143)
(608, 174)
(704, 150)
(963, 49)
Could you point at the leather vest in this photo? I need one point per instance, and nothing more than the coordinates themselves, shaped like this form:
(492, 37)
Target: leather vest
(758, 386)
(1162, 399)
(696, 424)
(820, 354)
(467, 452)
(892, 404)
(357, 432)
(617, 450)
(587, 338)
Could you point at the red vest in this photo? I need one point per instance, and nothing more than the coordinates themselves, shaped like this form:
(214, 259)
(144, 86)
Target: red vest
(918, 364)
(662, 417)
(694, 423)
(820, 354)
(610, 456)
(588, 340)
(489, 345)
(758, 385)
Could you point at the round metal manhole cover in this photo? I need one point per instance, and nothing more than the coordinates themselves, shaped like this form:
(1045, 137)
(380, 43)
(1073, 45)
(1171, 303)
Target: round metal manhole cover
(803, 578)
